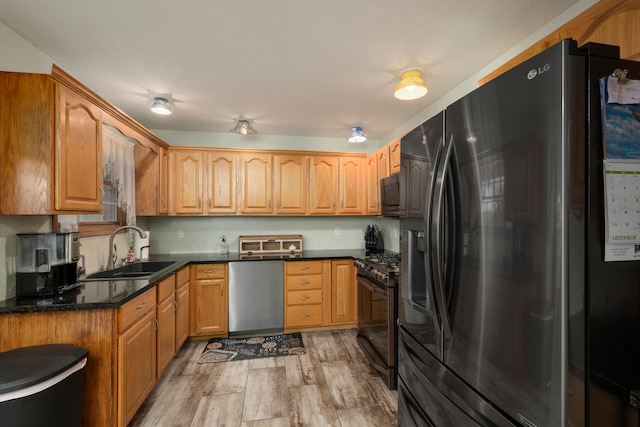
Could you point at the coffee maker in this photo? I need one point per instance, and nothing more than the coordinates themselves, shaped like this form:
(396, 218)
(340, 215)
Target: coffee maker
(46, 263)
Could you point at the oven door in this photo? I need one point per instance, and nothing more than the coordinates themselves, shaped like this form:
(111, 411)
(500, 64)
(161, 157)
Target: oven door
(375, 321)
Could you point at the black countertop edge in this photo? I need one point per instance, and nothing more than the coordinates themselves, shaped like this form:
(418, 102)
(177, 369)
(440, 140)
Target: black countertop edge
(114, 293)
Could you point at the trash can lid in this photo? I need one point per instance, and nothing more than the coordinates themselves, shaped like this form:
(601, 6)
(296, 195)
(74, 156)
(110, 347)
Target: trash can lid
(26, 366)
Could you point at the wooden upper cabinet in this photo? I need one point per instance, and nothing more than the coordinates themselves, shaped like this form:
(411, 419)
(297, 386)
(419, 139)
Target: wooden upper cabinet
(186, 185)
(382, 160)
(78, 153)
(415, 187)
(50, 147)
(351, 188)
(254, 191)
(26, 135)
(290, 184)
(373, 185)
(613, 22)
(323, 185)
(221, 182)
(394, 156)
(147, 167)
(163, 184)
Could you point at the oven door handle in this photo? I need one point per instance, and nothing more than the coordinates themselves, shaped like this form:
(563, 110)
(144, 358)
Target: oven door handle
(371, 286)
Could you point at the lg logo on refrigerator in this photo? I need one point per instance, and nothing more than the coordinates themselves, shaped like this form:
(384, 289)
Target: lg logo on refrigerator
(536, 71)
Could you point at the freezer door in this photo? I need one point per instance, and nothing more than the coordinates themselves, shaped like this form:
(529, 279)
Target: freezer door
(508, 305)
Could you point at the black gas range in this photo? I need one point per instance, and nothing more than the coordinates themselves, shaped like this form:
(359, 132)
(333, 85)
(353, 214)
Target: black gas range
(377, 279)
(383, 267)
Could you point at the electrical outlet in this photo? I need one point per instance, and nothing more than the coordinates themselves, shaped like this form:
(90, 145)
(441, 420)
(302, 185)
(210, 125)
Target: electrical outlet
(336, 231)
(180, 234)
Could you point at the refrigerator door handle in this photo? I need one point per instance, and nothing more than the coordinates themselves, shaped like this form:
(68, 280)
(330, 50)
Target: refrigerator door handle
(437, 258)
(429, 275)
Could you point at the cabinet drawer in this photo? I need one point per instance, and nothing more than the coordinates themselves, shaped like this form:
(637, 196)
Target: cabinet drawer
(296, 283)
(304, 315)
(211, 271)
(182, 277)
(135, 309)
(302, 267)
(166, 287)
(313, 296)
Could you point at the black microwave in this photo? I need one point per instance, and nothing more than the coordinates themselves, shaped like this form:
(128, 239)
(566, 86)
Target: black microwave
(390, 195)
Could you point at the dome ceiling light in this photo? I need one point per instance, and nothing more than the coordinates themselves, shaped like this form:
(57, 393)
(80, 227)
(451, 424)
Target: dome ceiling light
(161, 105)
(243, 127)
(411, 85)
(357, 135)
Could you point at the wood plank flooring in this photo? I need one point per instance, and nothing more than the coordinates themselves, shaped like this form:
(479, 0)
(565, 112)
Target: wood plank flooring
(331, 385)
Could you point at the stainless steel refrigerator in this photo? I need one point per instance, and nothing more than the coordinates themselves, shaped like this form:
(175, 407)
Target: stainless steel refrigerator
(508, 313)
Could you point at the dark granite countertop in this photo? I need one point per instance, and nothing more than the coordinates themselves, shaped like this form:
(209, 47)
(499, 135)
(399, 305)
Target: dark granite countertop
(114, 293)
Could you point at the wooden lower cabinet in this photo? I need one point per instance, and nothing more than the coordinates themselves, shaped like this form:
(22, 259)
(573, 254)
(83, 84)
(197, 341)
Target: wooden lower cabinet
(344, 298)
(136, 354)
(305, 285)
(319, 294)
(209, 300)
(182, 307)
(166, 316)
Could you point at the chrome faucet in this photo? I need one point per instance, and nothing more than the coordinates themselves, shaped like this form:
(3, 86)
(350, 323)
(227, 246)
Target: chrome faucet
(140, 231)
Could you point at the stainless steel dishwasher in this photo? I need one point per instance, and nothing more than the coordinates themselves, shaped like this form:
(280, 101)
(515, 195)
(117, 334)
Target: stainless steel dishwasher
(256, 296)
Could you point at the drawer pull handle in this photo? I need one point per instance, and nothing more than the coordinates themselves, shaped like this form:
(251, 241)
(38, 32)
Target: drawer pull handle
(304, 283)
(304, 316)
(141, 305)
(304, 297)
(306, 267)
(209, 271)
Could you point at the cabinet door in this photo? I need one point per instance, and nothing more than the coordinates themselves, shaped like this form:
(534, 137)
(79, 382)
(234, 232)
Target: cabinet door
(255, 184)
(290, 184)
(382, 162)
(417, 187)
(323, 185)
(147, 166)
(78, 153)
(343, 292)
(163, 184)
(182, 315)
(136, 365)
(186, 168)
(221, 183)
(166, 339)
(373, 185)
(209, 307)
(26, 129)
(351, 194)
(394, 156)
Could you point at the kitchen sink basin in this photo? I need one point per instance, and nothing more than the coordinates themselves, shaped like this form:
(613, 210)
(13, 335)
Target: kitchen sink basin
(132, 271)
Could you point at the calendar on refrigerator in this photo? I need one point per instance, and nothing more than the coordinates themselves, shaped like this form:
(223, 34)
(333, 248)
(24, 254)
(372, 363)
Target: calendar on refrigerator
(622, 210)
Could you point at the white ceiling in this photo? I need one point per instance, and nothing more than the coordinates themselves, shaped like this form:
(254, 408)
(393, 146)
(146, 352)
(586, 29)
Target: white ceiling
(294, 67)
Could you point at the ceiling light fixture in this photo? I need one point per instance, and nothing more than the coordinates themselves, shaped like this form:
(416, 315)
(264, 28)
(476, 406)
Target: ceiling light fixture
(411, 85)
(161, 106)
(243, 127)
(357, 135)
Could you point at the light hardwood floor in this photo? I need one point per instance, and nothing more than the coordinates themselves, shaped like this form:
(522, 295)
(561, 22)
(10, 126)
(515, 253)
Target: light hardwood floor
(331, 385)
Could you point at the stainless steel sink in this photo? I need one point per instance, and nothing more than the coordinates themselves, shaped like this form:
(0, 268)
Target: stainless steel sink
(132, 271)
